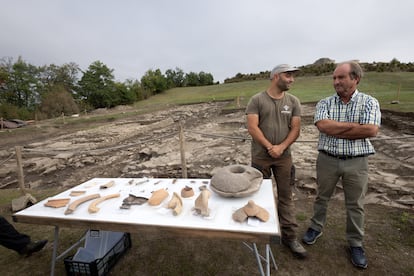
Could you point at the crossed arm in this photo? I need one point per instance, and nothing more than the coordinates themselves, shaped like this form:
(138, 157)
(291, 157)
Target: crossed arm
(345, 130)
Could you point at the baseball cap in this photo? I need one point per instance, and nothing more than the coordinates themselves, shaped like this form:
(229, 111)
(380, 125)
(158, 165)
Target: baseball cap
(281, 68)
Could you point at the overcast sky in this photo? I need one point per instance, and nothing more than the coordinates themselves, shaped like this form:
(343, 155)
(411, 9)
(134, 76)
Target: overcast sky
(221, 37)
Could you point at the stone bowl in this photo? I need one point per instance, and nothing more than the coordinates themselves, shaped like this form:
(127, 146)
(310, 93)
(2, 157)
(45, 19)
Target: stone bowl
(236, 181)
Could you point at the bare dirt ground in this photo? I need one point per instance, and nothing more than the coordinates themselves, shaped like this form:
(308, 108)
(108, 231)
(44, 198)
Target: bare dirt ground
(61, 155)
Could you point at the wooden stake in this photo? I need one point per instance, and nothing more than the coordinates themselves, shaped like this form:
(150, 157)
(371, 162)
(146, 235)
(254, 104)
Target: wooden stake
(20, 168)
(398, 93)
(182, 151)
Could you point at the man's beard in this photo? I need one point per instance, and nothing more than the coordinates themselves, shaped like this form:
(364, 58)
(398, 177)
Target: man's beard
(283, 86)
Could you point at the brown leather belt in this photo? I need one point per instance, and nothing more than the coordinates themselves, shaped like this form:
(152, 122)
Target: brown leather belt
(342, 157)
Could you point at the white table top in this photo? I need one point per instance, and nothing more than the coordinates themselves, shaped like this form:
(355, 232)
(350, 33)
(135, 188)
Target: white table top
(221, 208)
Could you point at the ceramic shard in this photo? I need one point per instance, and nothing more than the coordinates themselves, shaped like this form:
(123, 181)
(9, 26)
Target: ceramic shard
(133, 200)
(253, 210)
(57, 203)
(107, 185)
(239, 215)
(201, 203)
(77, 193)
(176, 204)
(187, 192)
(157, 197)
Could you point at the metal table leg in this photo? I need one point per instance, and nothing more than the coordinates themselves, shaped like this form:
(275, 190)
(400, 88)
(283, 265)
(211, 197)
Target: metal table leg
(260, 258)
(55, 246)
(55, 258)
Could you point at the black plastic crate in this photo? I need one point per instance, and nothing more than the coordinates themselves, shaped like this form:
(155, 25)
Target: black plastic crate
(102, 265)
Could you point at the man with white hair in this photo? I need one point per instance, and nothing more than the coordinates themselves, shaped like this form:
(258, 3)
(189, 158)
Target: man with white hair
(345, 121)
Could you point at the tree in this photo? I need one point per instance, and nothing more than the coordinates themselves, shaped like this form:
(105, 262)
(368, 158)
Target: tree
(135, 87)
(205, 78)
(20, 85)
(191, 79)
(126, 95)
(175, 78)
(57, 100)
(97, 86)
(154, 81)
(66, 75)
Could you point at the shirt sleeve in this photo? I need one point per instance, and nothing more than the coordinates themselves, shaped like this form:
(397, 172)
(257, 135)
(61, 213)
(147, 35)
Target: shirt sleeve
(321, 112)
(252, 106)
(371, 112)
(297, 111)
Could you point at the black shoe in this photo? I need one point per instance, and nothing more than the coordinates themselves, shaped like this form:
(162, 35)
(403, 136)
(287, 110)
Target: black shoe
(33, 247)
(296, 248)
(311, 236)
(358, 257)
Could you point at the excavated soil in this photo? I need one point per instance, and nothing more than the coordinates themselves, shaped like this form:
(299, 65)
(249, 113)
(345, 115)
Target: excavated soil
(65, 155)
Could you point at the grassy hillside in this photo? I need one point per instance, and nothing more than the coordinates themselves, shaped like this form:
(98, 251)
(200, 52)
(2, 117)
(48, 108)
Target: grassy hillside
(383, 86)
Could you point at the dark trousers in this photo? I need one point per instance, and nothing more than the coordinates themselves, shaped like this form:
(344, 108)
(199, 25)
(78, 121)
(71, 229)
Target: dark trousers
(282, 169)
(10, 237)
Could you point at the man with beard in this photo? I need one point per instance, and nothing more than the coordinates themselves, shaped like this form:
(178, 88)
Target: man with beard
(345, 121)
(273, 121)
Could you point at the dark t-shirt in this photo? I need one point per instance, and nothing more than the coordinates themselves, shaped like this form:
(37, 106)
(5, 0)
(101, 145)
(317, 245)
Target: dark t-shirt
(275, 117)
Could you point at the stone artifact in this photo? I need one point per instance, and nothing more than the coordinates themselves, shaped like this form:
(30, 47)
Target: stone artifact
(187, 192)
(72, 207)
(240, 215)
(201, 203)
(157, 197)
(176, 204)
(251, 209)
(107, 185)
(93, 208)
(236, 181)
(57, 203)
(133, 200)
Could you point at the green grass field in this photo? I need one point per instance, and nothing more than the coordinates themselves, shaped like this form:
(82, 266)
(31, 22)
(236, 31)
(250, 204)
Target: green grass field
(386, 87)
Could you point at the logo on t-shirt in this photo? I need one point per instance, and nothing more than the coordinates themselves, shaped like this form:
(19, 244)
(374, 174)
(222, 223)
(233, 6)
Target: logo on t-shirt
(286, 110)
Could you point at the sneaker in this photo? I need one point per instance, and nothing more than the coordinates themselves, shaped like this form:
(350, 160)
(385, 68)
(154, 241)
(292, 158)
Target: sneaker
(33, 247)
(358, 258)
(296, 248)
(311, 236)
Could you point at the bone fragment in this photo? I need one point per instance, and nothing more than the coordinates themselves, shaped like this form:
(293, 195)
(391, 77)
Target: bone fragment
(93, 208)
(72, 207)
(157, 197)
(201, 203)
